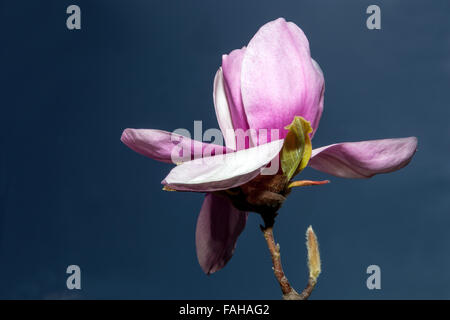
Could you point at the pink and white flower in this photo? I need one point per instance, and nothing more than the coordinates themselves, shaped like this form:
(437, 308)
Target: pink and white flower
(260, 87)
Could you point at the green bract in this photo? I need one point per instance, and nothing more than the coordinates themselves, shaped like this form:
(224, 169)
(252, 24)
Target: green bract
(297, 147)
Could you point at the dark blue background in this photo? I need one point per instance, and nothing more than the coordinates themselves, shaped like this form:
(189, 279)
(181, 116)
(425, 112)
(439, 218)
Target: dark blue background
(72, 193)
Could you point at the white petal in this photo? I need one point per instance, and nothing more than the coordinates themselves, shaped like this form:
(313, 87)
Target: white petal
(223, 171)
(223, 111)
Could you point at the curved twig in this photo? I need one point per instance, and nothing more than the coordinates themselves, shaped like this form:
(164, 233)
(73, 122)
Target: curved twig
(289, 293)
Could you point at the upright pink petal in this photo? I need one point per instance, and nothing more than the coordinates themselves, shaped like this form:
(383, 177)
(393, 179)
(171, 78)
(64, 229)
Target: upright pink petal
(166, 146)
(232, 65)
(279, 79)
(228, 101)
(219, 225)
(364, 159)
(315, 124)
(223, 171)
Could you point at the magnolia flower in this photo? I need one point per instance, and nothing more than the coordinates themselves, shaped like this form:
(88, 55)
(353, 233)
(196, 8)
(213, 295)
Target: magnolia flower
(263, 86)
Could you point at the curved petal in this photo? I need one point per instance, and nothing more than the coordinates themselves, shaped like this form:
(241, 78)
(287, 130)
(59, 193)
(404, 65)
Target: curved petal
(321, 99)
(232, 65)
(223, 111)
(364, 159)
(279, 79)
(166, 146)
(219, 225)
(223, 171)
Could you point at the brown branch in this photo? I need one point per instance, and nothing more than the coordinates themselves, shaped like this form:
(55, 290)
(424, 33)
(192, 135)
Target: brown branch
(288, 292)
(276, 261)
(308, 290)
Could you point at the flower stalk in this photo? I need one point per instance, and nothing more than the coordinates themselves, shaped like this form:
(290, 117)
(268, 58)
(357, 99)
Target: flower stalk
(314, 265)
(274, 249)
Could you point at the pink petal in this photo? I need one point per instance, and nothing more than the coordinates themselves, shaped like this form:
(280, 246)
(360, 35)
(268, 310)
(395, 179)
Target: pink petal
(315, 125)
(166, 146)
(279, 79)
(228, 102)
(219, 225)
(364, 159)
(232, 65)
(225, 171)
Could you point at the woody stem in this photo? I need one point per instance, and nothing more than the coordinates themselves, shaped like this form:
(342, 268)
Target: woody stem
(288, 292)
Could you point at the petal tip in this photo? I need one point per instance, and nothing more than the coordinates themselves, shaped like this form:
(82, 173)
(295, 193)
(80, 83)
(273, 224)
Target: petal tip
(415, 141)
(125, 135)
